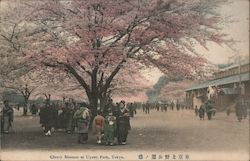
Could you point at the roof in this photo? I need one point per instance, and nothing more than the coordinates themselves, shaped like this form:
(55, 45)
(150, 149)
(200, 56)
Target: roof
(233, 66)
(221, 81)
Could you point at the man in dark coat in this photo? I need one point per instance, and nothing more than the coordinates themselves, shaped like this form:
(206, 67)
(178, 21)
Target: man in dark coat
(166, 107)
(135, 106)
(172, 105)
(7, 117)
(157, 106)
(178, 105)
(55, 116)
(196, 111)
(244, 106)
(143, 107)
(239, 111)
(147, 107)
(48, 119)
(201, 112)
(209, 109)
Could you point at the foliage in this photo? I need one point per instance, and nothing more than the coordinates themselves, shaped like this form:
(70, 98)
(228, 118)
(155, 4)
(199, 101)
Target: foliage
(92, 41)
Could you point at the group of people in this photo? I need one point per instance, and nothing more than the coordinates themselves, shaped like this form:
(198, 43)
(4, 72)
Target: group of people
(58, 117)
(206, 108)
(116, 124)
(113, 121)
(241, 110)
(163, 106)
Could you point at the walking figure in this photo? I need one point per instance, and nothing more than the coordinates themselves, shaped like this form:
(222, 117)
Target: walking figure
(196, 111)
(209, 109)
(201, 112)
(172, 105)
(144, 107)
(147, 108)
(239, 111)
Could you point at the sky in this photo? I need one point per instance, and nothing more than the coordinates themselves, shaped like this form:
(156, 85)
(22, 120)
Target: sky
(239, 31)
(238, 10)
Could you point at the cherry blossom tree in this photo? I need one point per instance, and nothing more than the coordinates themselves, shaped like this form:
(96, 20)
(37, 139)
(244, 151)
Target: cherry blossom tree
(94, 40)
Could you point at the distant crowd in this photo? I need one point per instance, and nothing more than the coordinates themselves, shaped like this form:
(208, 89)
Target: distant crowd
(241, 109)
(146, 107)
(111, 123)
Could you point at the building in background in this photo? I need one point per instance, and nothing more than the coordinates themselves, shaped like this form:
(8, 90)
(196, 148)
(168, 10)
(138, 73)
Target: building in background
(228, 84)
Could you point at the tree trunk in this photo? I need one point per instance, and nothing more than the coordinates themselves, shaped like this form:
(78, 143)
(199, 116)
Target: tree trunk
(103, 102)
(25, 110)
(103, 99)
(93, 107)
(93, 100)
(25, 107)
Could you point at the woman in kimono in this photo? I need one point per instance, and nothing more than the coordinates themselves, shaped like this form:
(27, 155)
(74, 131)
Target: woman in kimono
(110, 128)
(123, 125)
(82, 117)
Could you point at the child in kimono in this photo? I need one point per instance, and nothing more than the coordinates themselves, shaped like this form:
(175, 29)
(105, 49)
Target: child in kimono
(98, 125)
(110, 128)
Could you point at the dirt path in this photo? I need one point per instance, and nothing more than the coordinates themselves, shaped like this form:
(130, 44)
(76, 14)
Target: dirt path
(171, 130)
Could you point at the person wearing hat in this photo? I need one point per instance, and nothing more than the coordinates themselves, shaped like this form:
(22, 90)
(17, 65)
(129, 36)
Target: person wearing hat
(110, 128)
(98, 125)
(82, 117)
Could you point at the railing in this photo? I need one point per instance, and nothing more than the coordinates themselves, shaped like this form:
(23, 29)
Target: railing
(232, 71)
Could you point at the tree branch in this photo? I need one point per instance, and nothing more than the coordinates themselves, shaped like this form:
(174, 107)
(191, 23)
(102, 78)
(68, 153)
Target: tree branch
(78, 77)
(83, 68)
(112, 75)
